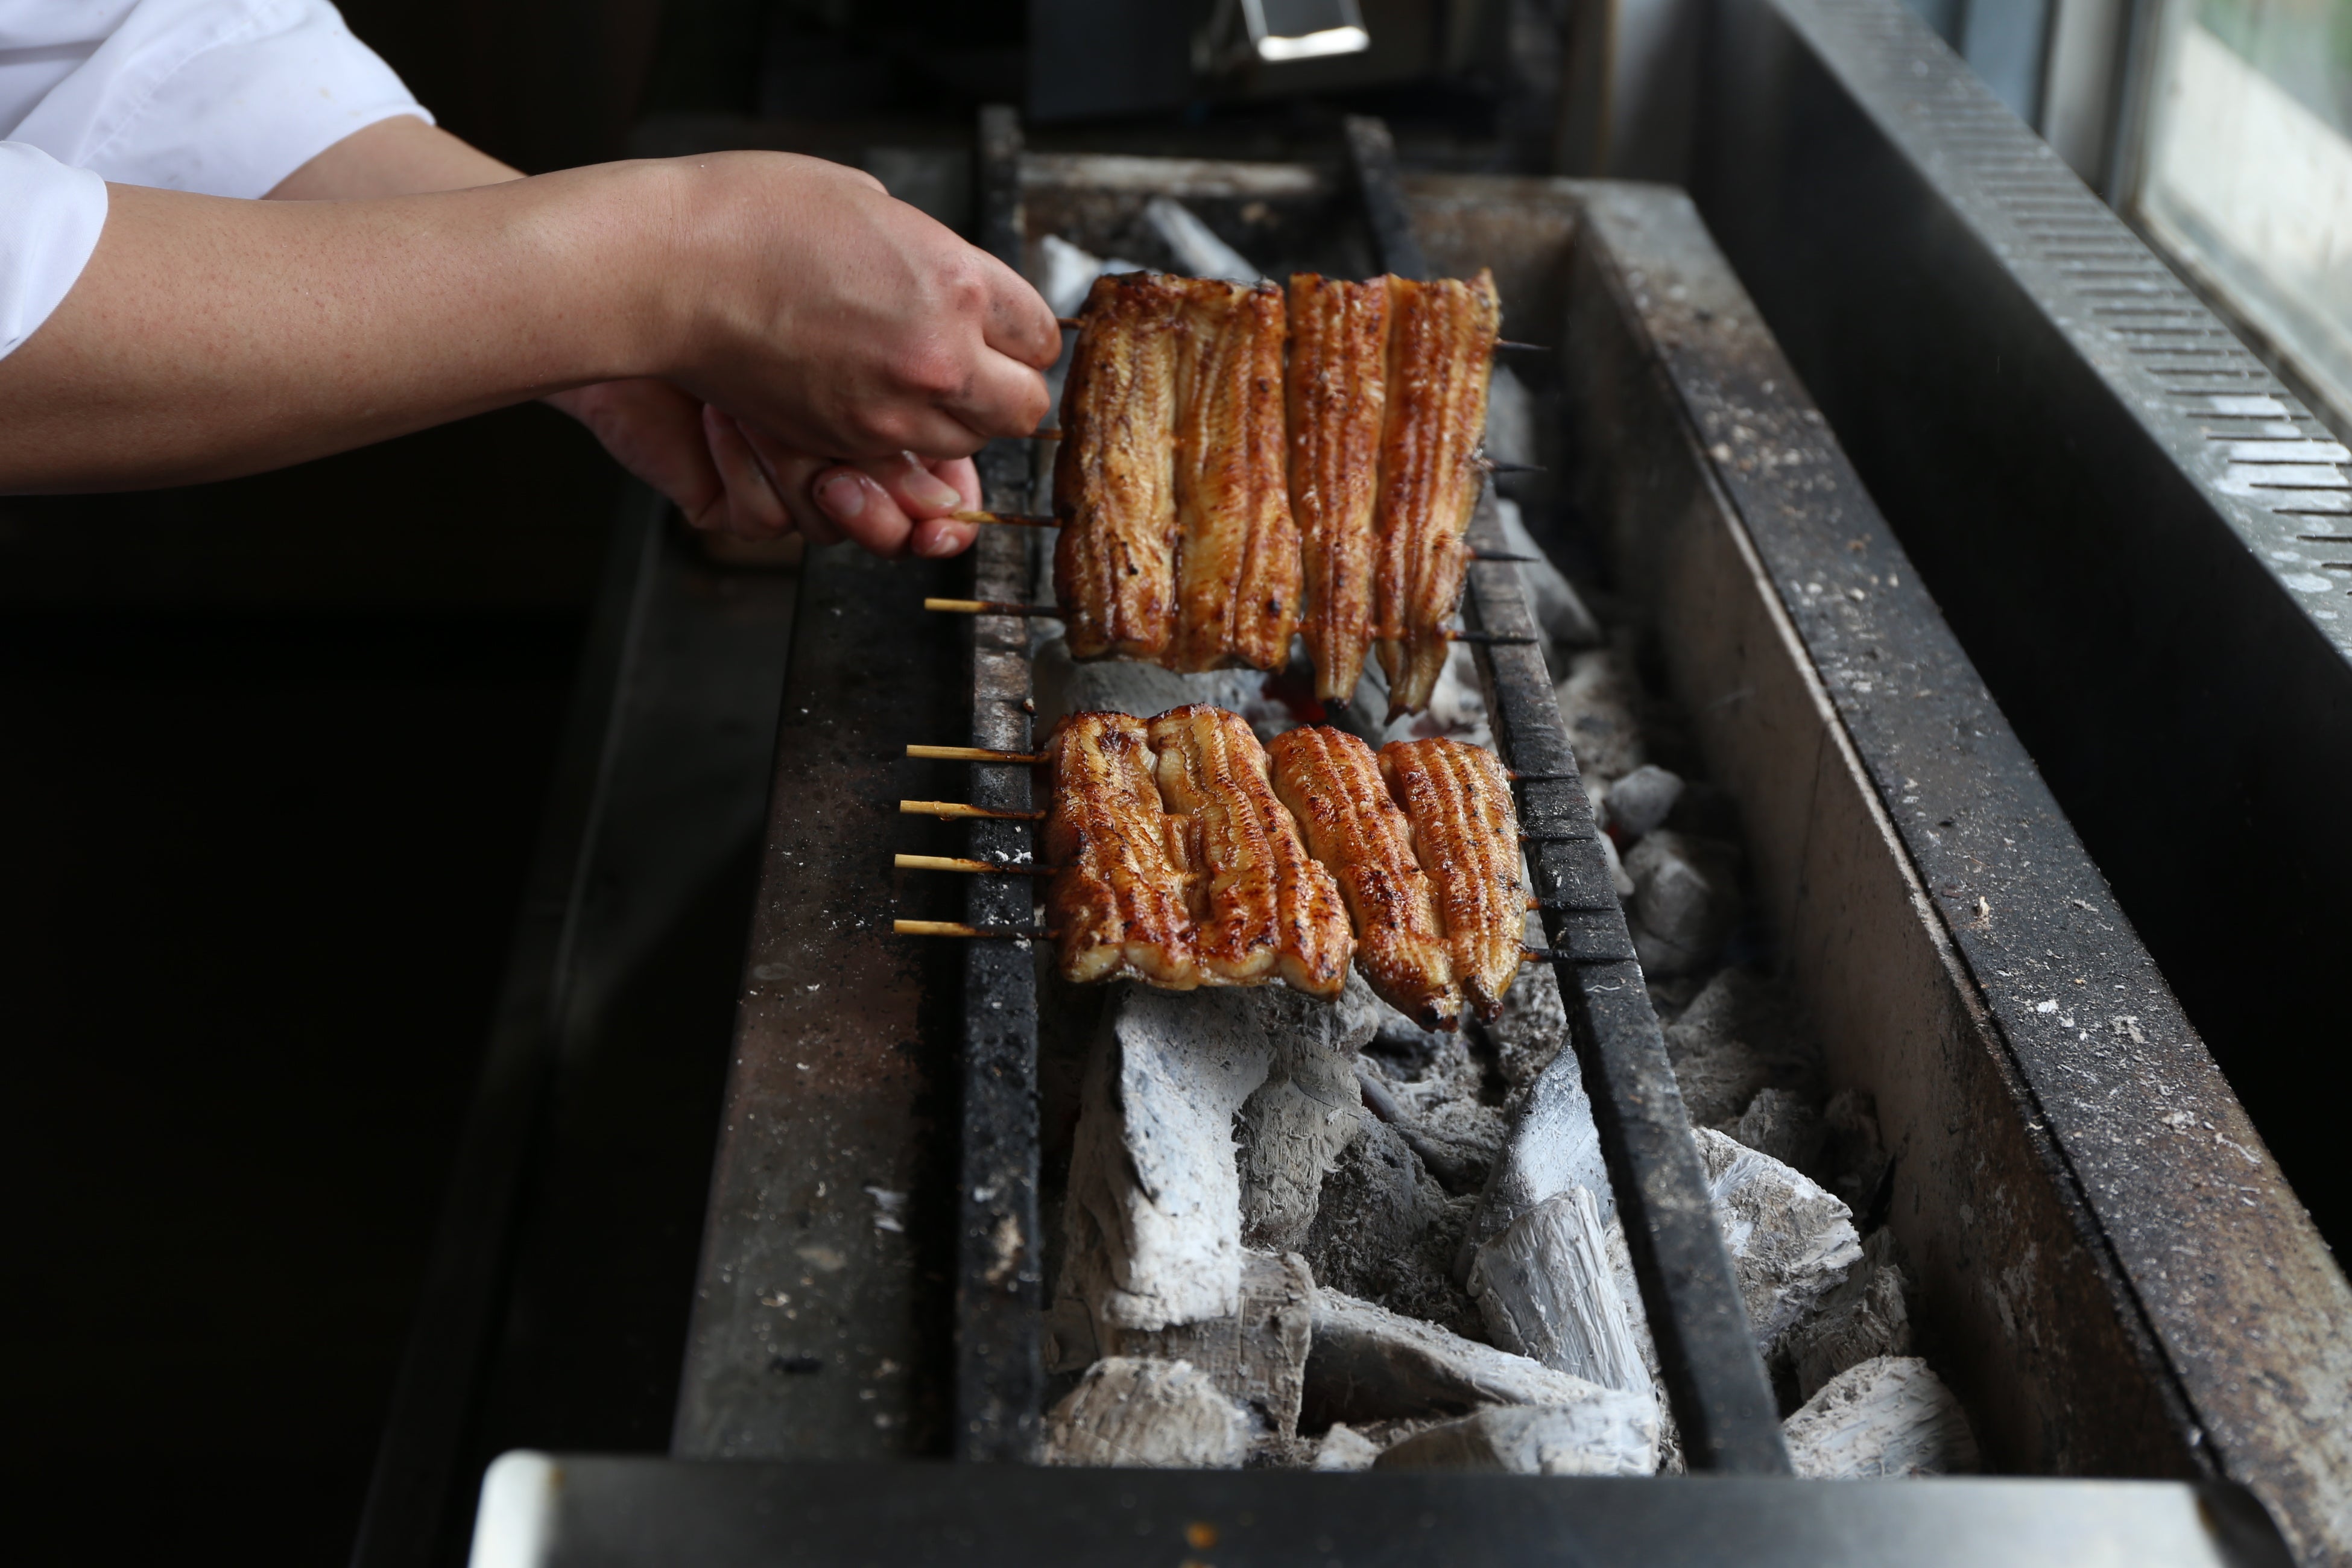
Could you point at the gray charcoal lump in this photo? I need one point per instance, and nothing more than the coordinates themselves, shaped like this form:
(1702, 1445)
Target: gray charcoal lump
(1888, 1416)
(1641, 800)
(1547, 1290)
(1533, 1028)
(1295, 1124)
(1686, 899)
(1257, 1357)
(1614, 1435)
(1597, 701)
(1736, 1037)
(1129, 1412)
(1387, 1232)
(1790, 1241)
(1781, 1122)
(1866, 1316)
(1152, 1218)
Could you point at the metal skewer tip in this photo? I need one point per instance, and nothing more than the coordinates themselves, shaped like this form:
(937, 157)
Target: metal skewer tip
(1508, 345)
(1537, 955)
(1494, 465)
(945, 809)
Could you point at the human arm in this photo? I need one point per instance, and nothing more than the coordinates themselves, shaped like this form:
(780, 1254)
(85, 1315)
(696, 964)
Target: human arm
(209, 337)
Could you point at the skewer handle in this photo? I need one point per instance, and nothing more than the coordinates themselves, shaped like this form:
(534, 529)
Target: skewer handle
(956, 808)
(969, 754)
(958, 863)
(990, 608)
(957, 928)
(1004, 518)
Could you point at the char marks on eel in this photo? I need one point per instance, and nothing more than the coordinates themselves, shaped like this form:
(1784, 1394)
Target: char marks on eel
(1262, 907)
(1117, 901)
(1458, 799)
(1337, 398)
(1441, 348)
(1332, 785)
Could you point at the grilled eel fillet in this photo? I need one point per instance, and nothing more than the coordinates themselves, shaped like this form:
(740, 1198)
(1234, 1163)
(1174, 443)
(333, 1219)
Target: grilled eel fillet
(1237, 549)
(1117, 900)
(1114, 476)
(1441, 346)
(1262, 907)
(1332, 785)
(1458, 800)
(1337, 393)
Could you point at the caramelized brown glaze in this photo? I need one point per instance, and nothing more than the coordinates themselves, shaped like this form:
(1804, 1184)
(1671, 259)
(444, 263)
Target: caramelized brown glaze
(1261, 907)
(1441, 347)
(1237, 549)
(1332, 785)
(1117, 900)
(1465, 832)
(1337, 397)
(1114, 476)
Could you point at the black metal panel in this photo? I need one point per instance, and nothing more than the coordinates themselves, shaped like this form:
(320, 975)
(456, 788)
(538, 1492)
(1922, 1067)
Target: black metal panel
(2141, 570)
(1000, 1281)
(574, 1512)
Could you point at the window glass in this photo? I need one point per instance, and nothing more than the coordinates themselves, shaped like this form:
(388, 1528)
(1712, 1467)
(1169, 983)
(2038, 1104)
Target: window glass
(2249, 169)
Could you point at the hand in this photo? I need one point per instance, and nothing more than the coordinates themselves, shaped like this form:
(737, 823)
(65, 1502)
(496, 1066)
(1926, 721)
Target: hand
(731, 478)
(834, 319)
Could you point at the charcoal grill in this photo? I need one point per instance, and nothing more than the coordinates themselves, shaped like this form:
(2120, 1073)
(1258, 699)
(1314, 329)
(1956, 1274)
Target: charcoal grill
(2115, 1277)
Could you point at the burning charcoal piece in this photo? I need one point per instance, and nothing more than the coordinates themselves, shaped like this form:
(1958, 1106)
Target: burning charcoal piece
(1685, 900)
(1257, 1357)
(1369, 1364)
(1550, 1146)
(1783, 1123)
(1790, 1242)
(1865, 1317)
(1129, 1413)
(1345, 1449)
(1612, 1433)
(1888, 1416)
(1597, 701)
(1386, 1230)
(1294, 1127)
(1154, 1214)
(1533, 1028)
(1619, 881)
(1548, 1292)
(1559, 607)
(1640, 801)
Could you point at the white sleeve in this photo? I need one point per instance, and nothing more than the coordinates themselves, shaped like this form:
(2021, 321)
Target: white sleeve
(54, 216)
(225, 98)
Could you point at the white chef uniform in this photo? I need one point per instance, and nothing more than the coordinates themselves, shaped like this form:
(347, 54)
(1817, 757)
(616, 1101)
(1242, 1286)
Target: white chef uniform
(225, 98)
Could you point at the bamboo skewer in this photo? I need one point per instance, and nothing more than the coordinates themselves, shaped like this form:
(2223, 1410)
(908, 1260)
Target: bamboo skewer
(945, 809)
(957, 928)
(972, 754)
(958, 863)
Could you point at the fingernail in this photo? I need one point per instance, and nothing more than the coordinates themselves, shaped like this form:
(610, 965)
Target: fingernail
(842, 496)
(941, 542)
(925, 488)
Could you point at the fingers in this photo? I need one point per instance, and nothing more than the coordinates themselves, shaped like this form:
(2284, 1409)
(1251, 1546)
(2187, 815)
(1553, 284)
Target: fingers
(754, 509)
(891, 506)
(1018, 322)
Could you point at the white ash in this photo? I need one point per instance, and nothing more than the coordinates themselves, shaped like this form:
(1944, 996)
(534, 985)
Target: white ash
(1547, 1290)
(1257, 1357)
(1612, 1435)
(1369, 1364)
(1641, 801)
(1549, 1146)
(1510, 418)
(1598, 702)
(1784, 1124)
(1152, 1216)
(1387, 1231)
(1295, 1124)
(1736, 1037)
(1068, 272)
(1866, 1316)
(1790, 1241)
(1686, 899)
(1129, 1413)
(1888, 1416)
(1066, 686)
(1344, 1448)
(1532, 1028)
